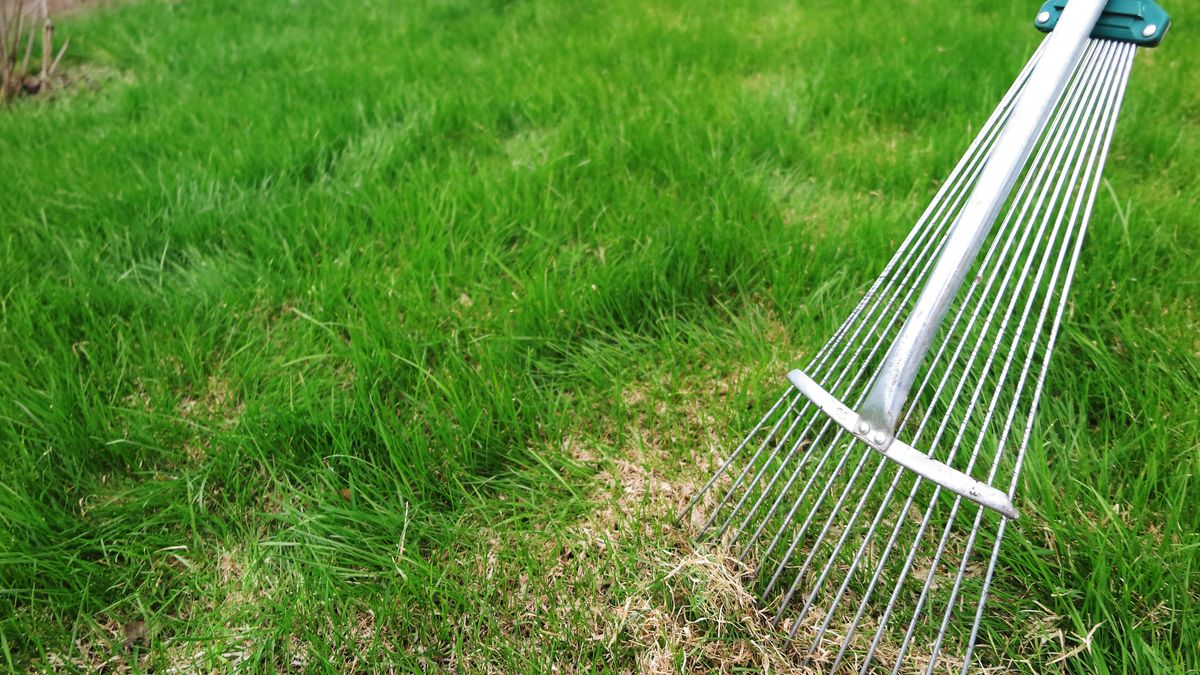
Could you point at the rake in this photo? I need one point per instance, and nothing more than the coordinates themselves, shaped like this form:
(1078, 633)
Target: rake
(870, 502)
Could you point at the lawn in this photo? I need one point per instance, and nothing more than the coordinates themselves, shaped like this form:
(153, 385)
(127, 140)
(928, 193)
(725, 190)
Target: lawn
(392, 335)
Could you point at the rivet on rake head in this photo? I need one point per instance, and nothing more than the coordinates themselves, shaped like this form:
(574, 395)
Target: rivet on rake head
(1149, 30)
(1043, 17)
(863, 428)
(879, 438)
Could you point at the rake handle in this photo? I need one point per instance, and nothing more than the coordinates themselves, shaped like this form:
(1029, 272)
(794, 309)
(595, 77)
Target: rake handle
(890, 389)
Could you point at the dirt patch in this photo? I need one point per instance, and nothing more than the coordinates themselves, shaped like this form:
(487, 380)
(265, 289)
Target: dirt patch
(217, 407)
(108, 647)
(627, 578)
(692, 606)
(217, 403)
(681, 606)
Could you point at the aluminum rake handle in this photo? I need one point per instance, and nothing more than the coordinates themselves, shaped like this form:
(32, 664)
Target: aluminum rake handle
(890, 389)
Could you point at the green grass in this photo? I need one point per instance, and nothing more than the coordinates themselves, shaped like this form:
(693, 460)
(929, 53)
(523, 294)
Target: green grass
(390, 334)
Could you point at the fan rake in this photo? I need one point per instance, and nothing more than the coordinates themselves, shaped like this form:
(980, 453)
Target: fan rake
(870, 502)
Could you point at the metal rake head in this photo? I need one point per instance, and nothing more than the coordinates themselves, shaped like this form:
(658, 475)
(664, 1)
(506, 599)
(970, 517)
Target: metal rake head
(869, 503)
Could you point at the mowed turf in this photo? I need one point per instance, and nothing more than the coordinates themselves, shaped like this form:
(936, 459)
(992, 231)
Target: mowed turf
(390, 335)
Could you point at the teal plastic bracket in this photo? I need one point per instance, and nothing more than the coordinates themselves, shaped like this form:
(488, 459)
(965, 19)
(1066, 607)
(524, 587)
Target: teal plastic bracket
(1141, 22)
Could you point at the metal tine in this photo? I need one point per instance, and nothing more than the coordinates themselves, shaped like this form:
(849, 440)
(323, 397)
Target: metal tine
(1001, 112)
(866, 493)
(886, 499)
(875, 420)
(972, 405)
(798, 397)
(807, 409)
(1030, 261)
(799, 499)
(733, 456)
(881, 341)
(870, 533)
(837, 471)
(833, 512)
(872, 293)
(813, 511)
(907, 563)
(1032, 295)
(752, 462)
(1123, 80)
(904, 572)
(943, 539)
(926, 255)
(858, 377)
(1056, 144)
(818, 361)
(836, 510)
(1120, 73)
(986, 135)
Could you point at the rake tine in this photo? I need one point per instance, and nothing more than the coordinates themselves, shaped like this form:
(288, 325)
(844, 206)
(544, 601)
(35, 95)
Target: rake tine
(808, 520)
(1049, 351)
(820, 518)
(972, 405)
(816, 472)
(937, 394)
(879, 342)
(970, 163)
(824, 531)
(834, 512)
(1119, 71)
(870, 297)
(782, 418)
(857, 377)
(783, 442)
(732, 457)
(889, 547)
(943, 221)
